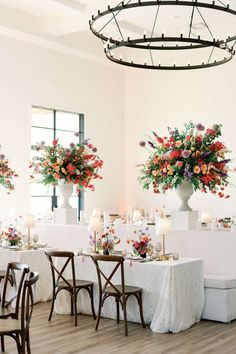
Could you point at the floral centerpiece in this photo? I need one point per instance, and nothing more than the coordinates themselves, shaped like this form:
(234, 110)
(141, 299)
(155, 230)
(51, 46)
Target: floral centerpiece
(141, 246)
(12, 236)
(107, 241)
(194, 154)
(78, 164)
(6, 174)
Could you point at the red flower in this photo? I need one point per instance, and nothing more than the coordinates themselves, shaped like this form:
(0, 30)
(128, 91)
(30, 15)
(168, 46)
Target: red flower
(88, 157)
(54, 142)
(174, 154)
(217, 146)
(70, 168)
(210, 131)
(198, 138)
(160, 140)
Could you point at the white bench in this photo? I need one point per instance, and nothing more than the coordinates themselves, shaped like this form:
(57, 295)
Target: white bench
(220, 298)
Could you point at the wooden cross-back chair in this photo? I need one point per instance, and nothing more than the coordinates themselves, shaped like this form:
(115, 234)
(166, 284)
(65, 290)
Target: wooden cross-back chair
(120, 292)
(18, 328)
(62, 282)
(15, 275)
(3, 274)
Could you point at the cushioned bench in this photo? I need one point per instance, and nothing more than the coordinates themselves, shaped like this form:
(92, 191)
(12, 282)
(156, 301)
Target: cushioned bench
(220, 298)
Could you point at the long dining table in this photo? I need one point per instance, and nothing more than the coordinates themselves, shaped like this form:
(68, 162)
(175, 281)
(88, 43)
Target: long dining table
(173, 292)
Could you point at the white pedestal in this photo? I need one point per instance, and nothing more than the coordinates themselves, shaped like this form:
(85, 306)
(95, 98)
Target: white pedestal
(65, 216)
(184, 220)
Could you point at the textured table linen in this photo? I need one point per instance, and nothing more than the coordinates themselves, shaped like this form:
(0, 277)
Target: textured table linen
(216, 248)
(173, 292)
(37, 261)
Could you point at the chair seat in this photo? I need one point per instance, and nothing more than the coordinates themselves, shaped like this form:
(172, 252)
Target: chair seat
(79, 283)
(9, 325)
(129, 290)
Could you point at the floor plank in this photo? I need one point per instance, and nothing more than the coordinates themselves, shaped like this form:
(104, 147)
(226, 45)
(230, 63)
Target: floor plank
(61, 337)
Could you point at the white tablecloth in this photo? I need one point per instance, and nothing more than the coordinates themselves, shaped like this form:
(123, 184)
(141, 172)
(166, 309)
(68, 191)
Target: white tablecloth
(217, 249)
(37, 261)
(173, 292)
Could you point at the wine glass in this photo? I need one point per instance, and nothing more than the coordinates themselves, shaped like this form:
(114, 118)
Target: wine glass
(80, 251)
(35, 239)
(158, 247)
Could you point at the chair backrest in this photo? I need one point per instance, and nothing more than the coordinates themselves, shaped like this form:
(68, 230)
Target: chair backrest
(16, 281)
(27, 300)
(58, 271)
(107, 278)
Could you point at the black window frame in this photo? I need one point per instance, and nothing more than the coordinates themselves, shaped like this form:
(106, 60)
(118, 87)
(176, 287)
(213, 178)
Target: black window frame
(81, 126)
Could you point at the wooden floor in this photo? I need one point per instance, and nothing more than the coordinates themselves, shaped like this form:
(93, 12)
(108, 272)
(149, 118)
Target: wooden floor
(61, 337)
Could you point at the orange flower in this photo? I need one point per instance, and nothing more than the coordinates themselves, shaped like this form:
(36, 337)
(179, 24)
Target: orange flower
(197, 153)
(196, 169)
(56, 175)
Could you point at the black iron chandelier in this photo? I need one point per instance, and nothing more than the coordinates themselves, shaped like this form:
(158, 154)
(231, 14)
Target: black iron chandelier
(154, 48)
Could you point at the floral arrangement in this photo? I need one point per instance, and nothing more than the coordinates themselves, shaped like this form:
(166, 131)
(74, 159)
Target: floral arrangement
(6, 174)
(142, 245)
(13, 236)
(107, 241)
(78, 164)
(194, 154)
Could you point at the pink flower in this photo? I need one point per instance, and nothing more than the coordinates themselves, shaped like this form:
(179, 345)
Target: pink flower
(186, 153)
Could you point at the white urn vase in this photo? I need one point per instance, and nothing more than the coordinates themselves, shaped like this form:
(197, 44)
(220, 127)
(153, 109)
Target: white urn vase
(66, 191)
(184, 192)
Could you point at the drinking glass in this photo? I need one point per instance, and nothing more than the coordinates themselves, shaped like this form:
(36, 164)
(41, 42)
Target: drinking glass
(158, 247)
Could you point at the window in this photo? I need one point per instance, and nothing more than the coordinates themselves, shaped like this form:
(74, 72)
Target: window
(49, 124)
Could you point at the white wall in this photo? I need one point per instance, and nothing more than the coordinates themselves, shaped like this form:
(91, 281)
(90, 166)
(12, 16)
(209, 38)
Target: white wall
(156, 100)
(33, 75)
(139, 100)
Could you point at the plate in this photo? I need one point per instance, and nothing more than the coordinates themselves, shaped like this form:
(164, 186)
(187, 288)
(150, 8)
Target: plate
(15, 248)
(42, 245)
(145, 260)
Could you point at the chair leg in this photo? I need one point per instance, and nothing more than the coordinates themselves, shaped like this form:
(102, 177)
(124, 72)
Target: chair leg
(71, 305)
(92, 304)
(117, 310)
(140, 303)
(2, 344)
(18, 343)
(99, 311)
(125, 314)
(74, 295)
(52, 306)
(23, 340)
(28, 343)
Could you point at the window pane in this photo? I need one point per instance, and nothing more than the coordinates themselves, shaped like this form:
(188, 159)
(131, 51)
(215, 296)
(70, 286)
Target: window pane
(67, 121)
(65, 138)
(39, 134)
(41, 206)
(40, 189)
(42, 117)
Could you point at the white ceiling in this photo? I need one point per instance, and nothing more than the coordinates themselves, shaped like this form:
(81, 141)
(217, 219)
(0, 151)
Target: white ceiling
(65, 22)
